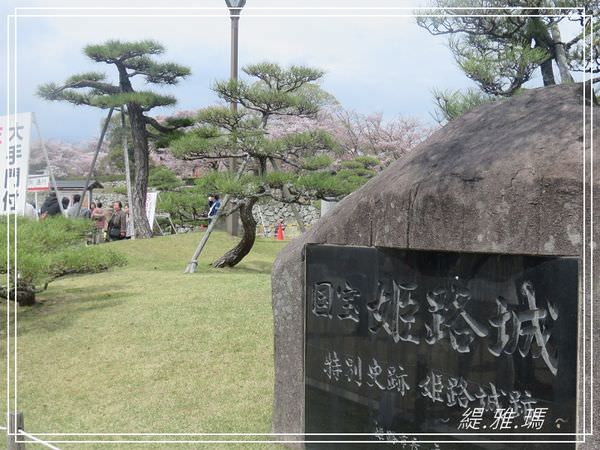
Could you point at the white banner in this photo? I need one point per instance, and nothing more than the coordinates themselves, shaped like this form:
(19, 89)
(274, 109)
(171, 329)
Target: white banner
(15, 136)
(151, 198)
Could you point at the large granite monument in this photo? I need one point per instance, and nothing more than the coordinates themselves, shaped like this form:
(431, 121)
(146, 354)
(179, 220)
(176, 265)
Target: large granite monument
(450, 295)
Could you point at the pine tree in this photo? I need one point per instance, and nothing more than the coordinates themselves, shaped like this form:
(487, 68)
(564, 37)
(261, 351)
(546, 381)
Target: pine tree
(293, 167)
(502, 47)
(48, 250)
(130, 59)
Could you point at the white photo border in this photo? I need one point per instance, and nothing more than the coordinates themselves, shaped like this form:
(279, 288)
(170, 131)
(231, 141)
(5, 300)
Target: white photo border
(11, 108)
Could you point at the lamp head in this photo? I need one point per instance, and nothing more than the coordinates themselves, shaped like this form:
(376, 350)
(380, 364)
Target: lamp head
(238, 4)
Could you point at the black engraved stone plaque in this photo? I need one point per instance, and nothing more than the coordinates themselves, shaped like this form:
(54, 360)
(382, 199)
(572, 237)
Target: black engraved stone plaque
(463, 346)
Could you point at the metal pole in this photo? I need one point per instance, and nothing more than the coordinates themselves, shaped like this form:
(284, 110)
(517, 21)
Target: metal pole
(235, 21)
(45, 151)
(232, 221)
(89, 175)
(127, 173)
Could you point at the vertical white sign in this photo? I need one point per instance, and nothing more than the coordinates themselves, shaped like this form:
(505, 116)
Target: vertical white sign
(15, 136)
(151, 198)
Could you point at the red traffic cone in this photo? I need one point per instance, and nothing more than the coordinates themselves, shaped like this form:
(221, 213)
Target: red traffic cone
(279, 232)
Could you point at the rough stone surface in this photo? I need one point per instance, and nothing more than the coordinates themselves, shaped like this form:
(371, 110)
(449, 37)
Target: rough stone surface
(270, 211)
(505, 178)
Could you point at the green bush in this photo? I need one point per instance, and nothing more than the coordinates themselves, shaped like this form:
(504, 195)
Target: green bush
(367, 161)
(186, 206)
(50, 249)
(317, 162)
(122, 190)
(163, 179)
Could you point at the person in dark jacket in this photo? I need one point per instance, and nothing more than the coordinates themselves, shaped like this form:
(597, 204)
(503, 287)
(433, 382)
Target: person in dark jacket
(50, 206)
(117, 225)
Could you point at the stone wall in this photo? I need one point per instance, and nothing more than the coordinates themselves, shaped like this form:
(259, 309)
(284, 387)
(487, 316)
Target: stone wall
(270, 211)
(107, 195)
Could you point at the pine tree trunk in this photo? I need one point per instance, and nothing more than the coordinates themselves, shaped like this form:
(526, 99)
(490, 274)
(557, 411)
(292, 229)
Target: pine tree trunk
(547, 73)
(542, 39)
(139, 138)
(560, 56)
(25, 294)
(140, 161)
(237, 253)
(26, 297)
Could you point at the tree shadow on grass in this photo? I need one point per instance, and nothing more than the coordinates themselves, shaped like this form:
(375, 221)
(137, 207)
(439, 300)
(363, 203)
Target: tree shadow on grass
(60, 308)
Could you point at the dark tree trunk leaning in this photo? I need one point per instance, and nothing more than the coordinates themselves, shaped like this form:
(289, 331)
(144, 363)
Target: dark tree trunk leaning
(237, 253)
(26, 297)
(543, 40)
(547, 73)
(560, 55)
(25, 294)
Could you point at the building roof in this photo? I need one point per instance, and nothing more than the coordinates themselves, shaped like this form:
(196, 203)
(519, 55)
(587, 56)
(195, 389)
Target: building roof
(69, 185)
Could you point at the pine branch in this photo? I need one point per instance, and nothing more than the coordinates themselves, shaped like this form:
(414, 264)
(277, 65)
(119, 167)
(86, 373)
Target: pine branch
(192, 156)
(147, 100)
(157, 73)
(114, 51)
(224, 117)
(54, 92)
(157, 125)
(96, 85)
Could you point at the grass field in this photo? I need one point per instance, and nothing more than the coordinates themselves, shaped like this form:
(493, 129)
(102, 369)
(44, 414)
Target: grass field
(147, 349)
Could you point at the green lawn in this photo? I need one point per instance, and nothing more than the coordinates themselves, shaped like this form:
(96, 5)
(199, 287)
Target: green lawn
(147, 349)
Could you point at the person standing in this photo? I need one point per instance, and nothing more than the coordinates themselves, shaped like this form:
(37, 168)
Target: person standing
(117, 225)
(99, 217)
(83, 211)
(65, 203)
(214, 208)
(50, 206)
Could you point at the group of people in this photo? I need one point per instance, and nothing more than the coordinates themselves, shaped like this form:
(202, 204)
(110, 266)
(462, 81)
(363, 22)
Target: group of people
(110, 224)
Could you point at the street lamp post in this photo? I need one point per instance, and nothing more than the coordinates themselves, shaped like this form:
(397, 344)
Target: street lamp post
(235, 9)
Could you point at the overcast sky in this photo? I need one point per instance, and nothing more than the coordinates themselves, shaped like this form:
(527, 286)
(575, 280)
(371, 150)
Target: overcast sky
(373, 64)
